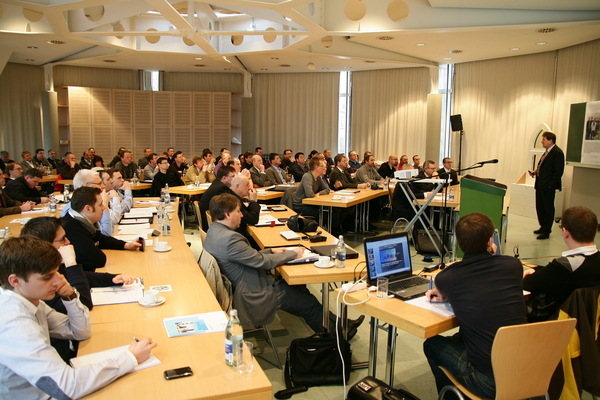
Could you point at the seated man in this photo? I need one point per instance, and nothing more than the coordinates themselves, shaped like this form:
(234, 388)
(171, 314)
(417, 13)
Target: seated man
(151, 167)
(428, 172)
(81, 225)
(30, 367)
(163, 177)
(199, 169)
(447, 172)
(486, 293)
(368, 173)
(241, 186)
(275, 175)
(122, 189)
(14, 171)
(24, 188)
(9, 206)
(298, 168)
(257, 293)
(143, 161)
(87, 160)
(311, 185)
(178, 165)
(403, 164)
(257, 172)
(220, 185)
(578, 267)
(69, 167)
(223, 159)
(126, 166)
(353, 162)
(387, 170)
(27, 162)
(39, 160)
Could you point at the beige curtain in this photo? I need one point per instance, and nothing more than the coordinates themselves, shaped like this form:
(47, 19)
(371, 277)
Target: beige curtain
(65, 75)
(204, 82)
(299, 111)
(389, 112)
(501, 102)
(21, 87)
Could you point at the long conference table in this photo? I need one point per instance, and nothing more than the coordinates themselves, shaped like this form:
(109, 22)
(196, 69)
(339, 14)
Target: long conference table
(116, 325)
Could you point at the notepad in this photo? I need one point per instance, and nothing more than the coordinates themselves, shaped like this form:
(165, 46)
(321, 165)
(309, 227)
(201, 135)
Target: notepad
(215, 321)
(94, 358)
(117, 294)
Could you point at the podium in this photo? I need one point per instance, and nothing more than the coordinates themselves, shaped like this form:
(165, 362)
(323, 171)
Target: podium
(482, 196)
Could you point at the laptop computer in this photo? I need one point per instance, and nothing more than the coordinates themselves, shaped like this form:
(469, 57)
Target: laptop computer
(389, 256)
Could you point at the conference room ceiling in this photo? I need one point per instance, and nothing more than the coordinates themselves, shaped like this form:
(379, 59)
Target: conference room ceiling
(273, 36)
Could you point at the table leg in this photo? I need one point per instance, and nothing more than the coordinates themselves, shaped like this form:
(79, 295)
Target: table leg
(391, 355)
(325, 303)
(373, 346)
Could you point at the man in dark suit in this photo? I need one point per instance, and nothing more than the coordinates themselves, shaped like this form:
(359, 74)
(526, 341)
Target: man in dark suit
(220, 185)
(387, 170)
(447, 170)
(24, 189)
(9, 206)
(548, 176)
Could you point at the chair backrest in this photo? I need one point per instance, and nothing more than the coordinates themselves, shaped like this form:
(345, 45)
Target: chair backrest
(288, 197)
(199, 218)
(525, 356)
(208, 218)
(219, 284)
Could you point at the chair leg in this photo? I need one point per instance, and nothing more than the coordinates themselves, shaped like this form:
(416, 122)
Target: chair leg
(450, 388)
(267, 332)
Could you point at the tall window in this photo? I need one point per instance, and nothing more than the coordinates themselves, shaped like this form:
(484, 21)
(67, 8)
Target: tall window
(344, 113)
(445, 86)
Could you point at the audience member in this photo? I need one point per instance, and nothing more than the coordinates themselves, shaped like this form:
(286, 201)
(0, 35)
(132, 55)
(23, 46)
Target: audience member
(5, 157)
(151, 167)
(578, 267)
(122, 188)
(223, 159)
(30, 367)
(447, 171)
(298, 168)
(54, 162)
(428, 172)
(486, 293)
(327, 155)
(87, 161)
(310, 186)
(163, 177)
(143, 161)
(24, 188)
(9, 206)
(98, 161)
(126, 166)
(171, 155)
(27, 162)
(199, 169)
(14, 171)
(39, 160)
(257, 172)
(287, 160)
(116, 158)
(353, 161)
(259, 152)
(209, 160)
(368, 174)
(387, 169)
(275, 175)
(404, 164)
(222, 184)
(69, 167)
(179, 165)
(417, 162)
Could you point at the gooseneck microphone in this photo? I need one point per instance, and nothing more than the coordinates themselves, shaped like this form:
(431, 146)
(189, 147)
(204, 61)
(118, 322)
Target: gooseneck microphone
(494, 161)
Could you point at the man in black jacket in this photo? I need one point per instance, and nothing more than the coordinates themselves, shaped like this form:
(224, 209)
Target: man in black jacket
(220, 185)
(81, 226)
(447, 171)
(164, 176)
(547, 176)
(24, 188)
(9, 206)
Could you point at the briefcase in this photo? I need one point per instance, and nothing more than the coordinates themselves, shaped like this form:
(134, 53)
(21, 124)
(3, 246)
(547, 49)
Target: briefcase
(369, 388)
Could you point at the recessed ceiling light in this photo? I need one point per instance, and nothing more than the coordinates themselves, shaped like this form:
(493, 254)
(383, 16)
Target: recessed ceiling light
(455, 51)
(541, 43)
(32, 47)
(324, 67)
(347, 67)
(515, 48)
(420, 44)
(264, 69)
(109, 61)
(285, 65)
(199, 65)
(274, 58)
(447, 58)
(370, 61)
(198, 58)
(29, 59)
(546, 30)
(287, 18)
(227, 69)
(55, 42)
(385, 37)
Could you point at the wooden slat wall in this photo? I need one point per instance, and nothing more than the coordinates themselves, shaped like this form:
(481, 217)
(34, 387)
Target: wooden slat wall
(109, 118)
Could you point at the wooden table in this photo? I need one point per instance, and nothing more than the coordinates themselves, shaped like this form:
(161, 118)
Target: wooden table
(49, 178)
(398, 314)
(360, 199)
(301, 274)
(141, 186)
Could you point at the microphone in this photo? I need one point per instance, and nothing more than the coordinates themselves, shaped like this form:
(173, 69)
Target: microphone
(494, 161)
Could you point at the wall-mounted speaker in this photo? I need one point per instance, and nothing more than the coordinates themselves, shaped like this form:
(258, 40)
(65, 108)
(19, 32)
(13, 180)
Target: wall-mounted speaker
(456, 122)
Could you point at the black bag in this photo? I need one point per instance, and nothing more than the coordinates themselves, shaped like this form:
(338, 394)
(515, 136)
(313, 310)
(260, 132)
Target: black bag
(314, 361)
(298, 223)
(424, 245)
(370, 388)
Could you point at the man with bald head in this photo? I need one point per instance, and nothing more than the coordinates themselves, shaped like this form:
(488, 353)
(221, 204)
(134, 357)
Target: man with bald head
(257, 172)
(387, 170)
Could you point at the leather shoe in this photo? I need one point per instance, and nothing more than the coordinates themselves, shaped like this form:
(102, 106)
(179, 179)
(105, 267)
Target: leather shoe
(538, 231)
(353, 325)
(543, 236)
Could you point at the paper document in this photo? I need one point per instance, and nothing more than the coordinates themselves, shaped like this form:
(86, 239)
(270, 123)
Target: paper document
(94, 358)
(347, 191)
(133, 228)
(338, 197)
(266, 219)
(34, 211)
(307, 257)
(134, 221)
(154, 202)
(444, 309)
(144, 212)
(195, 324)
(21, 221)
(289, 235)
(117, 294)
(132, 237)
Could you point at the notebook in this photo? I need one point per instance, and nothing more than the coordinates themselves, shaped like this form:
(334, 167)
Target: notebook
(325, 250)
(389, 256)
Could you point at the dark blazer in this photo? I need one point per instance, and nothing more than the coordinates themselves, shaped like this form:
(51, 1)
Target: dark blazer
(420, 188)
(9, 206)
(297, 170)
(18, 190)
(160, 180)
(67, 172)
(342, 176)
(453, 175)
(258, 178)
(551, 171)
(386, 171)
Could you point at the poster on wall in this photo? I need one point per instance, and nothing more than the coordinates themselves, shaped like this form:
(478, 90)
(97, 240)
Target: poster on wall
(590, 148)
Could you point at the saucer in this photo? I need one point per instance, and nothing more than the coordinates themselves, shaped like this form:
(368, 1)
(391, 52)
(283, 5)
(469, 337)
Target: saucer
(331, 264)
(158, 303)
(169, 248)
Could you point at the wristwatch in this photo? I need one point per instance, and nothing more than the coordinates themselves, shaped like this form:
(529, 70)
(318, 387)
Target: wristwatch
(72, 296)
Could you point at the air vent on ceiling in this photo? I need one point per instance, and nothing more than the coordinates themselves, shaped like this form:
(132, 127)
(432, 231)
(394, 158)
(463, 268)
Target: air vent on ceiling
(385, 37)
(455, 51)
(55, 42)
(199, 65)
(109, 61)
(546, 30)
(285, 65)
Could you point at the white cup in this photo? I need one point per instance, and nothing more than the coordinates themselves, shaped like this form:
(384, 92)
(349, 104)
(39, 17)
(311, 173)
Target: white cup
(246, 360)
(161, 245)
(151, 296)
(324, 261)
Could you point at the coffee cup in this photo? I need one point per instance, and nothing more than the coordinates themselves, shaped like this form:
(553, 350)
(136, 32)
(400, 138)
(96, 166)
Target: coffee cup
(324, 261)
(161, 245)
(151, 296)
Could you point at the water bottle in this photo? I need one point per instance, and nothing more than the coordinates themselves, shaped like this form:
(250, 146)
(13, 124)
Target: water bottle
(234, 334)
(52, 203)
(160, 212)
(167, 195)
(292, 180)
(166, 225)
(66, 193)
(451, 194)
(340, 253)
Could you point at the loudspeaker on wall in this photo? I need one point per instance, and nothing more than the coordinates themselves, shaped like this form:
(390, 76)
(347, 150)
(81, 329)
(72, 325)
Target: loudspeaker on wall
(456, 122)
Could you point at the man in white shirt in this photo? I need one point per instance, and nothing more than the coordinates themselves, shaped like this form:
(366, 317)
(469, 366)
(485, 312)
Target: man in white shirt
(30, 367)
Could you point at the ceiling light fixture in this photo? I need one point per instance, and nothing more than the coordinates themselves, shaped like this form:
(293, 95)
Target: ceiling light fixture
(420, 44)
(546, 30)
(55, 42)
(198, 58)
(32, 47)
(29, 59)
(515, 48)
(274, 58)
(199, 65)
(311, 66)
(370, 61)
(447, 58)
(455, 51)
(541, 43)
(285, 65)
(385, 37)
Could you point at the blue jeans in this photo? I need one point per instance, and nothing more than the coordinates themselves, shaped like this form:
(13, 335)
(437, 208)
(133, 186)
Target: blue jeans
(450, 353)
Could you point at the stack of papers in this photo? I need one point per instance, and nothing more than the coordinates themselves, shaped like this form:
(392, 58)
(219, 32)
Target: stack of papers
(195, 324)
(94, 358)
(117, 294)
(267, 219)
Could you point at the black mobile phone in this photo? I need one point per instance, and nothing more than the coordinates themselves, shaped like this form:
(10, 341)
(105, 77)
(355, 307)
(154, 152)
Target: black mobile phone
(178, 373)
(143, 243)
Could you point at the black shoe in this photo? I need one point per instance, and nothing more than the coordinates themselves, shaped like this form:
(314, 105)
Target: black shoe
(353, 325)
(538, 231)
(543, 236)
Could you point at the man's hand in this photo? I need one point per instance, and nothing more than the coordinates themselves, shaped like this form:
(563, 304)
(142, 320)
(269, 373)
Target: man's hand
(123, 279)
(133, 245)
(68, 255)
(299, 251)
(262, 168)
(27, 206)
(245, 172)
(338, 184)
(142, 349)
(364, 185)
(44, 200)
(252, 194)
(126, 185)
(435, 296)
(528, 271)
(64, 288)
(492, 249)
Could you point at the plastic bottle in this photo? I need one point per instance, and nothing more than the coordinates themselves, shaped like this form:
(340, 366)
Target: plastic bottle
(234, 334)
(52, 203)
(66, 193)
(340, 253)
(451, 194)
(292, 180)
(166, 225)
(167, 195)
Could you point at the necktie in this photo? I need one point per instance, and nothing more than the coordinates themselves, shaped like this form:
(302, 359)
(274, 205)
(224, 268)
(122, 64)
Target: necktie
(537, 171)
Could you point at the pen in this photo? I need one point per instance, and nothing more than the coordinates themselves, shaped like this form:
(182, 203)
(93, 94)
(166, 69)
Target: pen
(430, 282)
(136, 339)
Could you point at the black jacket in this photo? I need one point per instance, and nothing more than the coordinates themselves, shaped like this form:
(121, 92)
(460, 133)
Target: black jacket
(18, 190)
(551, 170)
(250, 211)
(160, 180)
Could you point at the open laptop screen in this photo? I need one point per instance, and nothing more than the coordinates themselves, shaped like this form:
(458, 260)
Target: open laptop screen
(388, 255)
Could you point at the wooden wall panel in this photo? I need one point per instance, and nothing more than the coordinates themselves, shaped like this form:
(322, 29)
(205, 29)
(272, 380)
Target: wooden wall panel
(162, 108)
(221, 109)
(80, 106)
(142, 138)
(201, 140)
(162, 138)
(102, 107)
(142, 107)
(81, 137)
(182, 139)
(122, 107)
(103, 142)
(202, 108)
(182, 108)
(220, 138)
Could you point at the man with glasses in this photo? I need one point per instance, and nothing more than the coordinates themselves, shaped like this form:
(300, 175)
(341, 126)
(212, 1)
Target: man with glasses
(222, 184)
(163, 177)
(14, 171)
(9, 206)
(428, 172)
(447, 170)
(24, 188)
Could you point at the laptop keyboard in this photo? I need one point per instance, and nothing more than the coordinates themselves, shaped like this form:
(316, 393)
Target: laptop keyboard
(407, 283)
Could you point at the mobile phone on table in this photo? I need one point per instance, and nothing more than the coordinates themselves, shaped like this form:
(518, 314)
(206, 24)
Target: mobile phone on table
(178, 373)
(143, 243)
